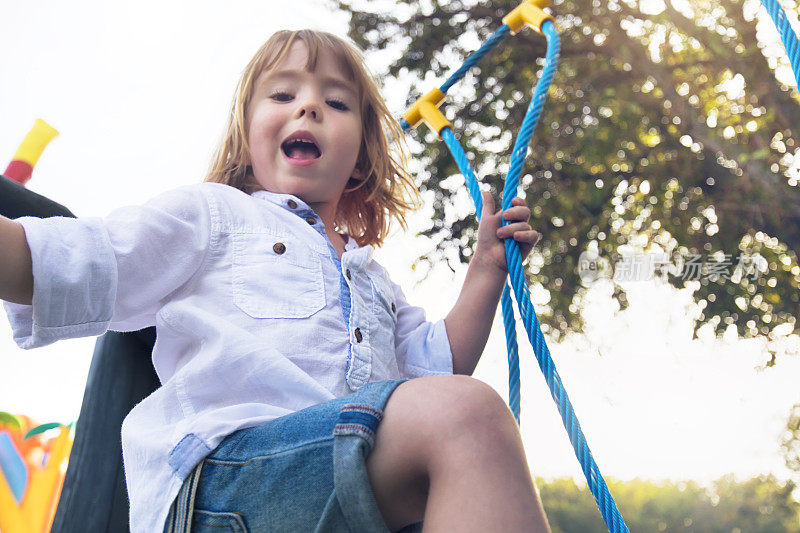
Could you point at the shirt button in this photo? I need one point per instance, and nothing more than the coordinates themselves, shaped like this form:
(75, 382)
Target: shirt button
(292, 204)
(394, 309)
(348, 274)
(357, 333)
(279, 248)
(311, 220)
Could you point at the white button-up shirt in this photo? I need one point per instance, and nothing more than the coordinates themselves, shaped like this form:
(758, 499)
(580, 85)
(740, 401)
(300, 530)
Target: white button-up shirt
(255, 313)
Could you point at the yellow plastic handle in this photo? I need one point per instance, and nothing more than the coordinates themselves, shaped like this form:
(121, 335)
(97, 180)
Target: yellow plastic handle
(426, 109)
(528, 13)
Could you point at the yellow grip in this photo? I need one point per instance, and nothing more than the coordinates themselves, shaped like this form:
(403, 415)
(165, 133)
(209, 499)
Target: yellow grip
(35, 142)
(427, 109)
(530, 13)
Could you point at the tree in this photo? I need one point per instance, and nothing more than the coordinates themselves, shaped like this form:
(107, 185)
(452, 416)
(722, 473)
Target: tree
(790, 441)
(760, 504)
(663, 132)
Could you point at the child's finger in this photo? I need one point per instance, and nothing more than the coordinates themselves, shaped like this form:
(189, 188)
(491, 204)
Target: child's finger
(488, 203)
(529, 236)
(511, 229)
(520, 212)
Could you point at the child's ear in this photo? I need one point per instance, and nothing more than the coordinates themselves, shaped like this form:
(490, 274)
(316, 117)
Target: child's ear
(355, 180)
(357, 174)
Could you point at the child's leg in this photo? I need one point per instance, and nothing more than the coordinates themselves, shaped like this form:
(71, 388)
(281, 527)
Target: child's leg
(448, 450)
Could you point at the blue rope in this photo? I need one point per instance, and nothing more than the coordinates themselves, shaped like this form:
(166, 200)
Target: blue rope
(508, 309)
(597, 484)
(474, 190)
(787, 36)
(476, 56)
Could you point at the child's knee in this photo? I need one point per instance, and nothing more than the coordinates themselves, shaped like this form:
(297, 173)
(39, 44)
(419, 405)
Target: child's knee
(446, 409)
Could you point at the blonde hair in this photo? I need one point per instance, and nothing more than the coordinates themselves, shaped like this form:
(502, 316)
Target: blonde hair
(368, 203)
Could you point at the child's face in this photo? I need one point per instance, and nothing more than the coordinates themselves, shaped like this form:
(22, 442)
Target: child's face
(288, 99)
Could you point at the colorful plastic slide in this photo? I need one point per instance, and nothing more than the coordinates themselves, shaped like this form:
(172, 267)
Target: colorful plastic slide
(33, 460)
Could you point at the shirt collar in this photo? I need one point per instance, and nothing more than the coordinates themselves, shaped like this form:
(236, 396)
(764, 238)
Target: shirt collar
(350, 243)
(289, 202)
(293, 204)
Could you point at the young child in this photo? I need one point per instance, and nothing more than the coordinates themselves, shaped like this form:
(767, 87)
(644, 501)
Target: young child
(284, 351)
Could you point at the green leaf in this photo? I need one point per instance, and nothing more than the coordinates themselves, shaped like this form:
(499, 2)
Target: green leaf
(7, 419)
(42, 429)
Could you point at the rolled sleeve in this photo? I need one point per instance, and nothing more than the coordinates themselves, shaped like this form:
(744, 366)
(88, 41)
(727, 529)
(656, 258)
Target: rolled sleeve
(422, 347)
(93, 274)
(74, 279)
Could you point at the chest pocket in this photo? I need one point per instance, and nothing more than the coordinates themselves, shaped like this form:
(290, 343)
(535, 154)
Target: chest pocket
(276, 276)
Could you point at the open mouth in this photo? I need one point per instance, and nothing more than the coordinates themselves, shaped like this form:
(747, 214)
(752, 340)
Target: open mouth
(301, 149)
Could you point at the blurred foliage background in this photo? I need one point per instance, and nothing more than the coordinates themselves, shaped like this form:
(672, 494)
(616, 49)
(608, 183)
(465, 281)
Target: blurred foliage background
(665, 131)
(763, 505)
(669, 133)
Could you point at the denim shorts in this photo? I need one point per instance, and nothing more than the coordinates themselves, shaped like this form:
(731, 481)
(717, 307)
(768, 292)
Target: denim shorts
(305, 471)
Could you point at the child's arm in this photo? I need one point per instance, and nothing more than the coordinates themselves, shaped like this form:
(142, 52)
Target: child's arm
(16, 271)
(470, 321)
(93, 274)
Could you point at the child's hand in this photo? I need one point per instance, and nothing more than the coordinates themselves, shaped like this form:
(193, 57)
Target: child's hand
(490, 250)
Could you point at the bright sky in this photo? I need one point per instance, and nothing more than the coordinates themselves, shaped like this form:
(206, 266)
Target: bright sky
(140, 91)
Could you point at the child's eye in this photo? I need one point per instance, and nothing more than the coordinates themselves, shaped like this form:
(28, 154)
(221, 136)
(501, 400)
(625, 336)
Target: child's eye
(278, 95)
(281, 96)
(338, 104)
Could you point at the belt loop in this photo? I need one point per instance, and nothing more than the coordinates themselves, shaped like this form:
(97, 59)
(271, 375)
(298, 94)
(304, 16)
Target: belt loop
(179, 519)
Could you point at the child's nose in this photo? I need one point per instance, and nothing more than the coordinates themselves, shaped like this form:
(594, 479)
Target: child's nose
(308, 109)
